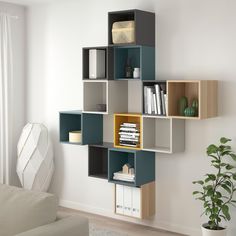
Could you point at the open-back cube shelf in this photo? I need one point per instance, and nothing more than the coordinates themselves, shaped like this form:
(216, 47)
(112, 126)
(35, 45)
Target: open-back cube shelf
(144, 25)
(109, 62)
(111, 95)
(143, 163)
(146, 100)
(142, 57)
(90, 125)
(163, 134)
(205, 91)
(127, 118)
(98, 160)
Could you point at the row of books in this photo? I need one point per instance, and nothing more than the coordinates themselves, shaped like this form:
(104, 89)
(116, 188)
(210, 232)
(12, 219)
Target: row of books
(123, 177)
(129, 134)
(155, 100)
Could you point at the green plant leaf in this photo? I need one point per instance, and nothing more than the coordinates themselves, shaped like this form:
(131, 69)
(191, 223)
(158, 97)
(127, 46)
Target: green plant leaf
(233, 156)
(234, 176)
(229, 167)
(225, 187)
(197, 192)
(224, 140)
(225, 210)
(212, 149)
(228, 183)
(198, 182)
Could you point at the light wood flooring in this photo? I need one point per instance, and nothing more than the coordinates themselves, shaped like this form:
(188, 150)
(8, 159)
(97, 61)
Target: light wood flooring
(120, 226)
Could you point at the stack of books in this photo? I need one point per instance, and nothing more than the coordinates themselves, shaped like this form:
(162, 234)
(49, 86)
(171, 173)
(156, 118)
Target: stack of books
(123, 177)
(155, 100)
(129, 134)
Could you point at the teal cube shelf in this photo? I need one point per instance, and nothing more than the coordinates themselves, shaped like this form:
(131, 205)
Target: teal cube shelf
(142, 57)
(90, 125)
(143, 163)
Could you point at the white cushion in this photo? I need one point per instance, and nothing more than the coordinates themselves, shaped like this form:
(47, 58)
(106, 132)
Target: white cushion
(22, 210)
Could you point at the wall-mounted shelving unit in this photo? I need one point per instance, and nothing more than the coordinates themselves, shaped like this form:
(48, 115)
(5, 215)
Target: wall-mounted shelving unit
(90, 125)
(103, 92)
(142, 57)
(143, 163)
(163, 134)
(205, 91)
(124, 97)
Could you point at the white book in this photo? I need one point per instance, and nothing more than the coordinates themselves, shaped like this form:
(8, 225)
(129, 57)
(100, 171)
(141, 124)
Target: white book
(129, 139)
(128, 145)
(145, 100)
(155, 104)
(129, 134)
(129, 125)
(128, 129)
(163, 103)
(158, 98)
(123, 179)
(166, 102)
(149, 100)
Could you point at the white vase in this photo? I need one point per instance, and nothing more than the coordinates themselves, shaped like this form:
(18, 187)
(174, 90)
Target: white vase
(210, 232)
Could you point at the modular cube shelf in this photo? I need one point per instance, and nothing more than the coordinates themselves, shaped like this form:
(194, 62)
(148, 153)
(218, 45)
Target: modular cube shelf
(110, 94)
(152, 83)
(205, 91)
(98, 160)
(163, 134)
(109, 62)
(126, 118)
(137, 202)
(138, 56)
(144, 25)
(90, 125)
(143, 163)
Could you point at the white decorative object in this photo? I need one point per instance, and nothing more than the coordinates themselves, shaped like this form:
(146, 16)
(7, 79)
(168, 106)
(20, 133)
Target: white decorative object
(35, 165)
(209, 232)
(97, 63)
(136, 73)
(75, 137)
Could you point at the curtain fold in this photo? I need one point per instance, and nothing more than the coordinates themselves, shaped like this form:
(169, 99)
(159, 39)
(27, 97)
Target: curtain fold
(5, 98)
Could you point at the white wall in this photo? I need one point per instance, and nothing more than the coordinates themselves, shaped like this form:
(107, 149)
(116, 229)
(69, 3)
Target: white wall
(18, 49)
(195, 40)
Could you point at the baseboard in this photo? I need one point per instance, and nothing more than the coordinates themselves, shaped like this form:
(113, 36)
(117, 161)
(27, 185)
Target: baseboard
(104, 212)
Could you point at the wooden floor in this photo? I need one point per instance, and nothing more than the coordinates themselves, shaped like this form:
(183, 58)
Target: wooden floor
(119, 226)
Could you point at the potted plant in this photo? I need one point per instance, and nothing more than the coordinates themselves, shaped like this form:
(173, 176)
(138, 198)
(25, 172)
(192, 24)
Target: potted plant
(217, 189)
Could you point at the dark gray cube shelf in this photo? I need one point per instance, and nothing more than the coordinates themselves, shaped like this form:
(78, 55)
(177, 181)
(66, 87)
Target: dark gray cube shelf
(109, 62)
(142, 161)
(144, 25)
(90, 125)
(139, 56)
(98, 160)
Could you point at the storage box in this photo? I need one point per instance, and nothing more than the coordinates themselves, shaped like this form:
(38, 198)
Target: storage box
(123, 32)
(75, 136)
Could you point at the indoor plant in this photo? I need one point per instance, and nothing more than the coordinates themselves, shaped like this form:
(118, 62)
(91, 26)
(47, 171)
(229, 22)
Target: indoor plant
(217, 189)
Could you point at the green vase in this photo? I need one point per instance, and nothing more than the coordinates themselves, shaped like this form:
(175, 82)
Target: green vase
(189, 111)
(183, 104)
(195, 106)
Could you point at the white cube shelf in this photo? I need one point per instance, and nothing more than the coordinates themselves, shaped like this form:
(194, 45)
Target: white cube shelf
(111, 93)
(163, 134)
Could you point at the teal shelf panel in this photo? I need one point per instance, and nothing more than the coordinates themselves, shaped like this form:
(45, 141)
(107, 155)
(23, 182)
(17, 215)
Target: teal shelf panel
(90, 125)
(142, 57)
(142, 161)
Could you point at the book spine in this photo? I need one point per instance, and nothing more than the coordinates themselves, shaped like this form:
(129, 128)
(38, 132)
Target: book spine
(158, 98)
(163, 103)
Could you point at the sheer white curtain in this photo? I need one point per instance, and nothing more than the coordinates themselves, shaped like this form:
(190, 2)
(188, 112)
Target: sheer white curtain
(5, 97)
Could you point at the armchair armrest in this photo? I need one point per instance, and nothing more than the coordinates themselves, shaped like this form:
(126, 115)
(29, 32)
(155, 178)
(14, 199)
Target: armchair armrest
(69, 226)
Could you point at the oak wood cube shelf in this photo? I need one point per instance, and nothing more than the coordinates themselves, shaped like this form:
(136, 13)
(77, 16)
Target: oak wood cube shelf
(90, 125)
(163, 134)
(136, 202)
(106, 92)
(142, 57)
(98, 160)
(144, 26)
(109, 62)
(127, 118)
(143, 163)
(205, 91)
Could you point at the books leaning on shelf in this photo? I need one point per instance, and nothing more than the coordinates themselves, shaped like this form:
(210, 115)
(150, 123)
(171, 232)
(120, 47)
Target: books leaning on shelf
(123, 177)
(129, 134)
(155, 99)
